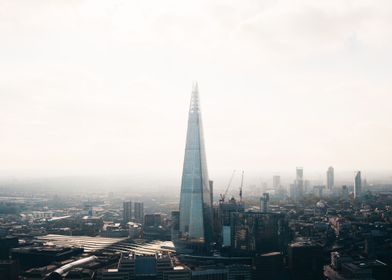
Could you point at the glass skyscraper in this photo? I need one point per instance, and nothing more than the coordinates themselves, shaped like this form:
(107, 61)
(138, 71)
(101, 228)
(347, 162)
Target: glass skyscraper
(196, 199)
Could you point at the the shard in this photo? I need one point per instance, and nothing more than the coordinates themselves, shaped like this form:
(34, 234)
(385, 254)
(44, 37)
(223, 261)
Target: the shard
(196, 198)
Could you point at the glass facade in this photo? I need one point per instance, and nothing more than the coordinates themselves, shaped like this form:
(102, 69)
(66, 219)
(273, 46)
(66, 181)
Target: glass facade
(195, 201)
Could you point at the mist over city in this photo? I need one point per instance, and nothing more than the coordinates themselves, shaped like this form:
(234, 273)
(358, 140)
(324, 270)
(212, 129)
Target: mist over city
(195, 140)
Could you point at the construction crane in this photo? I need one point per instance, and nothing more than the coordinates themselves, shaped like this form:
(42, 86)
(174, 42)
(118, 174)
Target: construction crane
(242, 184)
(223, 196)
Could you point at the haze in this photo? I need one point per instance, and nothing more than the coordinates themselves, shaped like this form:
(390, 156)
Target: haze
(103, 87)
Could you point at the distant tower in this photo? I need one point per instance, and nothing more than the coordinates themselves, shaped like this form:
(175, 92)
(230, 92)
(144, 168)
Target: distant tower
(264, 203)
(195, 201)
(357, 184)
(127, 211)
(299, 182)
(139, 212)
(330, 178)
(276, 182)
(344, 193)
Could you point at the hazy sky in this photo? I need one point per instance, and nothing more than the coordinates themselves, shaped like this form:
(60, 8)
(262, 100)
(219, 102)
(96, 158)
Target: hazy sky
(103, 87)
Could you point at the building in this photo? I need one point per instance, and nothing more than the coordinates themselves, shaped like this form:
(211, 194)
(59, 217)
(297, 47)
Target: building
(330, 178)
(305, 261)
(298, 188)
(175, 224)
(9, 269)
(127, 211)
(264, 203)
(195, 200)
(139, 212)
(29, 257)
(344, 193)
(6, 244)
(146, 267)
(253, 232)
(223, 217)
(357, 184)
(153, 220)
(276, 182)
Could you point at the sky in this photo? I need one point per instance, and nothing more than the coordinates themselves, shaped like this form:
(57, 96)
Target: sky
(103, 86)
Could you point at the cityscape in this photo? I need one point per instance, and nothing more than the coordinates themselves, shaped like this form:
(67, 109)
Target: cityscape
(284, 174)
(301, 231)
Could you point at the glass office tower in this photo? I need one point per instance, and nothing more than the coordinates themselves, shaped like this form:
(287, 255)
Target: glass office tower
(195, 201)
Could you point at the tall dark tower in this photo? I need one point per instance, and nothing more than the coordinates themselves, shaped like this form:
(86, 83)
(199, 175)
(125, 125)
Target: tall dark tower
(195, 202)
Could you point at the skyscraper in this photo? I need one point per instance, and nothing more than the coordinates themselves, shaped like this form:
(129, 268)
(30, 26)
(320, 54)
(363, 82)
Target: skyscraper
(357, 184)
(139, 212)
(195, 201)
(330, 178)
(276, 182)
(299, 183)
(127, 211)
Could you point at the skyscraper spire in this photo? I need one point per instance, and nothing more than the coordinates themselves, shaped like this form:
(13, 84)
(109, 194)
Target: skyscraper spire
(195, 201)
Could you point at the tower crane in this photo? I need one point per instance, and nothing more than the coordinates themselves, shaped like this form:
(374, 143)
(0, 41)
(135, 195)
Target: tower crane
(223, 196)
(242, 184)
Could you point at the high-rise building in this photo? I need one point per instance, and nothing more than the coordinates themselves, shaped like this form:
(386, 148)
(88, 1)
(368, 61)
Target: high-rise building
(357, 184)
(195, 202)
(276, 182)
(175, 224)
(139, 212)
(264, 203)
(127, 211)
(299, 182)
(330, 178)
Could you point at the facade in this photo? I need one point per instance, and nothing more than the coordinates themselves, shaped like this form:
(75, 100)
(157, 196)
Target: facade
(139, 212)
(357, 184)
(330, 178)
(253, 232)
(147, 266)
(305, 261)
(127, 211)
(195, 200)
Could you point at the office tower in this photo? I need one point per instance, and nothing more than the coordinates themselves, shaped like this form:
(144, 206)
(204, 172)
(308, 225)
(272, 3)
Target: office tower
(299, 183)
(127, 211)
(195, 201)
(264, 203)
(276, 182)
(330, 178)
(175, 224)
(357, 184)
(139, 212)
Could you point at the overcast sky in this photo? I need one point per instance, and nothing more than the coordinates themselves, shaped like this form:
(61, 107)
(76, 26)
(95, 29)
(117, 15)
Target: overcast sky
(103, 87)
